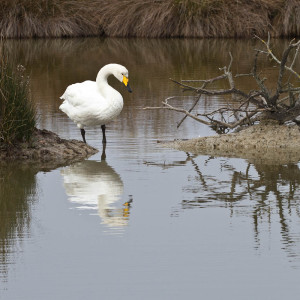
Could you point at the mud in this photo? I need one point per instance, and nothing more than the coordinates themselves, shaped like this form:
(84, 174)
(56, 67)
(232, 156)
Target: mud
(266, 143)
(49, 149)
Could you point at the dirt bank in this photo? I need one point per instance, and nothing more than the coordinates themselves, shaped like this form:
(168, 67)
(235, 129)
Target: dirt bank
(48, 148)
(268, 143)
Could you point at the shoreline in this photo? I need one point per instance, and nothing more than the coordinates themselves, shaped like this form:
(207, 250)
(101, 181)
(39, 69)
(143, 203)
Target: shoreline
(269, 143)
(47, 148)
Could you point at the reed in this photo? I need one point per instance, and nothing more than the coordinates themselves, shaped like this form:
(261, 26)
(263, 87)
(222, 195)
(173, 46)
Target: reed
(47, 18)
(17, 113)
(200, 18)
(149, 18)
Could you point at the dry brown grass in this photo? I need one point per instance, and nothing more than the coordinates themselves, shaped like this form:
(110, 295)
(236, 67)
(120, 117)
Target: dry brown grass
(200, 18)
(149, 18)
(47, 18)
(288, 21)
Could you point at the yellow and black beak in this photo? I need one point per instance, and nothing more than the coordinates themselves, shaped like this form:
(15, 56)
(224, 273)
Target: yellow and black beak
(125, 81)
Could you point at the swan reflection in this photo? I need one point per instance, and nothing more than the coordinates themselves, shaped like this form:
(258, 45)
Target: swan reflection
(96, 186)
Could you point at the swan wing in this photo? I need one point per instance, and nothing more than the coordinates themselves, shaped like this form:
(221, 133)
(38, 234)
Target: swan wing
(85, 104)
(83, 93)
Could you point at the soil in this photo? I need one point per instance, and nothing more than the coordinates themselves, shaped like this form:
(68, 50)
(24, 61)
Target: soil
(48, 149)
(266, 143)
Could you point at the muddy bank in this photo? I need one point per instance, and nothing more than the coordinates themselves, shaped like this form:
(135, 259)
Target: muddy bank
(265, 143)
(48, 149)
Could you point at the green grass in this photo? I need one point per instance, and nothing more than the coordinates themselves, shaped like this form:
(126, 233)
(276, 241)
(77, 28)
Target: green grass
(149, 18)
(17, 112)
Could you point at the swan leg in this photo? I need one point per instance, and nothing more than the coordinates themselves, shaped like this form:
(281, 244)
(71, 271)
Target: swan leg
(103, 133)
(83, 134)
(103, 155)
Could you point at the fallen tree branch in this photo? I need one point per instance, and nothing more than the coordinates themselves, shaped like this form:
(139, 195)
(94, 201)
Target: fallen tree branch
(270, 52)
(169, 107)
(246, 107)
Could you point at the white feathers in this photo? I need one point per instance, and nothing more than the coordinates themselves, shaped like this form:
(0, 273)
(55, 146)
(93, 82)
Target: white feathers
(92, 103)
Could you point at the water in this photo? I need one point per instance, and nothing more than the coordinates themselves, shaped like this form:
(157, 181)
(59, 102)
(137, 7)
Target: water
(149, 222)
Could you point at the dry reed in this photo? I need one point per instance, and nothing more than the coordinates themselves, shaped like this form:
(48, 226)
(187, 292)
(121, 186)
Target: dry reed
(47, 18)
(149, 18)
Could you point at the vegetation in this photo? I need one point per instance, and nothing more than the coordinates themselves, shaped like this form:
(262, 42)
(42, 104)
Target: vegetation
(248, 107)
(17, 113)
(150, 18)
(47, 18)
(17, 197)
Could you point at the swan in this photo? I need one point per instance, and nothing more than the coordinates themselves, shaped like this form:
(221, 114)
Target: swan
(92, 103)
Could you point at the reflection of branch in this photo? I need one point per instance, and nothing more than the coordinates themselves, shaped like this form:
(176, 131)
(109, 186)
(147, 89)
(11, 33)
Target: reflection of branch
(197, 169)
(261, 190)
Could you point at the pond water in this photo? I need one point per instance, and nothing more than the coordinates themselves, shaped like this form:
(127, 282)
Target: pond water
(148, 222)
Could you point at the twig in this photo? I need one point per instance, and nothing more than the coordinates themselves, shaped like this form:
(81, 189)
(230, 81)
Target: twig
(169, 107)
(251, 103)
(212, 92)
(269, 52)
(190, 110)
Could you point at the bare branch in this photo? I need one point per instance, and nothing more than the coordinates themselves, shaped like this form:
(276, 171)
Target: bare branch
(190, 110)
(270, 52)
(211, 92)
(207, 80)
(254, 105)
(169, 107)
(227, 74)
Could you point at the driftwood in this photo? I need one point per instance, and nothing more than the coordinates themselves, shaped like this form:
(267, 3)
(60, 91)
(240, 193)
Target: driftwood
(283, 104)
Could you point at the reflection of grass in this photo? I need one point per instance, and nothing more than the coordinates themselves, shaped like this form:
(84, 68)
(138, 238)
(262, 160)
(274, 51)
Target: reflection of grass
(151, 18)
(17, 183)
(17, 114)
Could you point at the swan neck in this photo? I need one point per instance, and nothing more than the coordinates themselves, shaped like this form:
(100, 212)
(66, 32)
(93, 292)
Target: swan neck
(102, 77)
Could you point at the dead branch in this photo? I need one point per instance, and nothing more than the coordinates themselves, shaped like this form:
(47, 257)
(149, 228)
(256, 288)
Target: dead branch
(211, 92)
(253, 105)
(270, 53)
(169, 107)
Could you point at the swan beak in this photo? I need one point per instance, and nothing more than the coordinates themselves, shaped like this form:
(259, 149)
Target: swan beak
(129, 88)
(125, 81)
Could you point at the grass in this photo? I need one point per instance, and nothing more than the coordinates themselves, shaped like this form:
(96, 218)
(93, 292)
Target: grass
(17, 112)
(149, 18)
(47, 18)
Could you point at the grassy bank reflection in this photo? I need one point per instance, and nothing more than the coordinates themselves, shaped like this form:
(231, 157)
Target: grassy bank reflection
(17, 196)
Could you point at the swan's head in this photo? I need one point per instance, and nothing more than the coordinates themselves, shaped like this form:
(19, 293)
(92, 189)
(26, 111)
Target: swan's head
(121, 73)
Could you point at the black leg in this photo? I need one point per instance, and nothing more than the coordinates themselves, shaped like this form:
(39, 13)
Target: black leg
(83, 134)
(103, 133)
(103, 156)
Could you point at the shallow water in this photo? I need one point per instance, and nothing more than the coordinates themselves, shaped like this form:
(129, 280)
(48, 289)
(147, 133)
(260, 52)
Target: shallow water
(148, 222)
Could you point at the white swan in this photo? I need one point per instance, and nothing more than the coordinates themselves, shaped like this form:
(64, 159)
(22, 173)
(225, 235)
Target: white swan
(91, 103)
